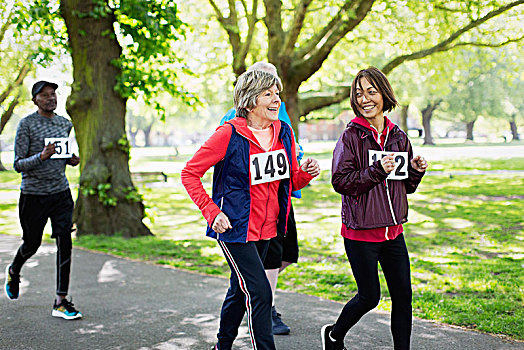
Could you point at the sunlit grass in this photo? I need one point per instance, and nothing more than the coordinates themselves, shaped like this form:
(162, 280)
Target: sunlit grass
(465, 236)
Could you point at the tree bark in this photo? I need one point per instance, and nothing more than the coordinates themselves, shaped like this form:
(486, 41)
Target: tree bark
(469, 130)
(147, 135)
(404, 117)
(98, 114)
(427, 114)
(514, 131)
(2, 167)
(426, 124)
(8, 113)
(132, 135)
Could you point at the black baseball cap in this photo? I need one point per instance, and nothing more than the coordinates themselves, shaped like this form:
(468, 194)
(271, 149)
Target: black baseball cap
(39, 85)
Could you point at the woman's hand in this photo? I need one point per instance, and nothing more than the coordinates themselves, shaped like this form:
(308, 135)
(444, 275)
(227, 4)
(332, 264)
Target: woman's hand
(221, 223)
(419, 163)
(311, 167)
(388, 163)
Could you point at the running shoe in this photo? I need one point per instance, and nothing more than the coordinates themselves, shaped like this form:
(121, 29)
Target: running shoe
(279, 327)
(12, 281)
(66, 310)
(329, 343)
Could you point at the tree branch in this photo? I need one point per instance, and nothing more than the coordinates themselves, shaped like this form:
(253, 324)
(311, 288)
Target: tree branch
(22, 73)
(320, 100)
(273, 21)
(251, 22)
(6, 25)
(509, 41)
(317, 38)
(296, 27)
(9, 112)
(230, 24)
(314, 59)
(445, 45)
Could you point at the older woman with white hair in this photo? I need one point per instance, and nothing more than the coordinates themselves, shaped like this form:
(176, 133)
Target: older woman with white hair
(255, 171)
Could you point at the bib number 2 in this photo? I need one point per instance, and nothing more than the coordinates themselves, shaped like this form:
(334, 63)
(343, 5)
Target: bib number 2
(401, 163)
(268, 167)
(63, 146)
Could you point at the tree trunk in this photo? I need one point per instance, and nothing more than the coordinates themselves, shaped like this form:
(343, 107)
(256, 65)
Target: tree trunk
(427, 114)
(132, 135)
(469, 130)
(426, 124)
(147, 134)
(404, 117)
(8, 113)
(514, 131)
(104, 204)
(2, 167)
(291, 100)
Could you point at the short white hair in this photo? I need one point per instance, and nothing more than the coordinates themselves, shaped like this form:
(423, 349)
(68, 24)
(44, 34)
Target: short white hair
(263, 66)
(249, 86)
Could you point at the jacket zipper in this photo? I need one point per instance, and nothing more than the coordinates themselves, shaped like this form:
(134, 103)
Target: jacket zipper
(267, 201)
(221, 204)
(386, 182)
(389, 197)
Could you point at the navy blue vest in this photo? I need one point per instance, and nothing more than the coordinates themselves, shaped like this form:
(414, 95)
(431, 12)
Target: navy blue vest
(231, 183)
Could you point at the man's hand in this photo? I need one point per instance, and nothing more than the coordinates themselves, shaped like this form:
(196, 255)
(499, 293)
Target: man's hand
(311, 167)
(419, 163)
(48, 151)
(73, 161)
(221, 223)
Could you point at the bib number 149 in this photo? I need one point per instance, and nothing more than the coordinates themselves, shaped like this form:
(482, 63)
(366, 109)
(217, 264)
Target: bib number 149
(268, 166)
(401, 163)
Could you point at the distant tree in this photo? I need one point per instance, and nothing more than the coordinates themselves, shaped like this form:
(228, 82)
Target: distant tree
(17, 50)
(477, 91)
(509, 72)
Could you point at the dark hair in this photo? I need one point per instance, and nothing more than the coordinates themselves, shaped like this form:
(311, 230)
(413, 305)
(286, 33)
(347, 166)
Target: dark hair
(379, 82)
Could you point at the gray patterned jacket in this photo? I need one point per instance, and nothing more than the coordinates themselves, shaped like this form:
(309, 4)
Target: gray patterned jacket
(40, 177)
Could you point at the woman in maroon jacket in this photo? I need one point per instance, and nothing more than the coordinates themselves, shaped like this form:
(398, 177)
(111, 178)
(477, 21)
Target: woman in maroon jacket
(374, 169)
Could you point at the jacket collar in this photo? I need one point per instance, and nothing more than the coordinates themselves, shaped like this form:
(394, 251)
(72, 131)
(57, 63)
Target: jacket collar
(390, 128)
(240, 125)
(388, 124)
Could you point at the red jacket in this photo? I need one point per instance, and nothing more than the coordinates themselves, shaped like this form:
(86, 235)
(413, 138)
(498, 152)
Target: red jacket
(264, 208)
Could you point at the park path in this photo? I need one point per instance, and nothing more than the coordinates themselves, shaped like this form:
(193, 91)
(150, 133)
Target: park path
(137, 306)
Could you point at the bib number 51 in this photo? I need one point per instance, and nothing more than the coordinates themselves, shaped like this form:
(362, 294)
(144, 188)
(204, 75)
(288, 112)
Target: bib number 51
(63, 146)
(401, 163)
(268, 167)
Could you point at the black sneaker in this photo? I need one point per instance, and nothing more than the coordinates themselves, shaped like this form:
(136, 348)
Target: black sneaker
(327, 342)
(66, 310)
(12, 281)
(279, 327)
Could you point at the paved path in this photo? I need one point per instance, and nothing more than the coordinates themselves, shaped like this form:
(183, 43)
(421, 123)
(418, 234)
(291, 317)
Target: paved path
(134, 305)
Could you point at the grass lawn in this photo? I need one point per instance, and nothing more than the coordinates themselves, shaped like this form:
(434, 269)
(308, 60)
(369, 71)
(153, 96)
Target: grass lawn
(465, 237)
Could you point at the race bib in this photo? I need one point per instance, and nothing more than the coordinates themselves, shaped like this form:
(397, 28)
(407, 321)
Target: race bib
(268, 167)
(401, 163)
(63, 146)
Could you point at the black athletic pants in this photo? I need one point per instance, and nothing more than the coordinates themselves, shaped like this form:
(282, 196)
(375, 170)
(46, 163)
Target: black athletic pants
(34, 211)
(249, 292)
(394, 260)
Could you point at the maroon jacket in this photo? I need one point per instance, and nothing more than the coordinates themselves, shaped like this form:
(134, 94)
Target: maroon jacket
(364, 188)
